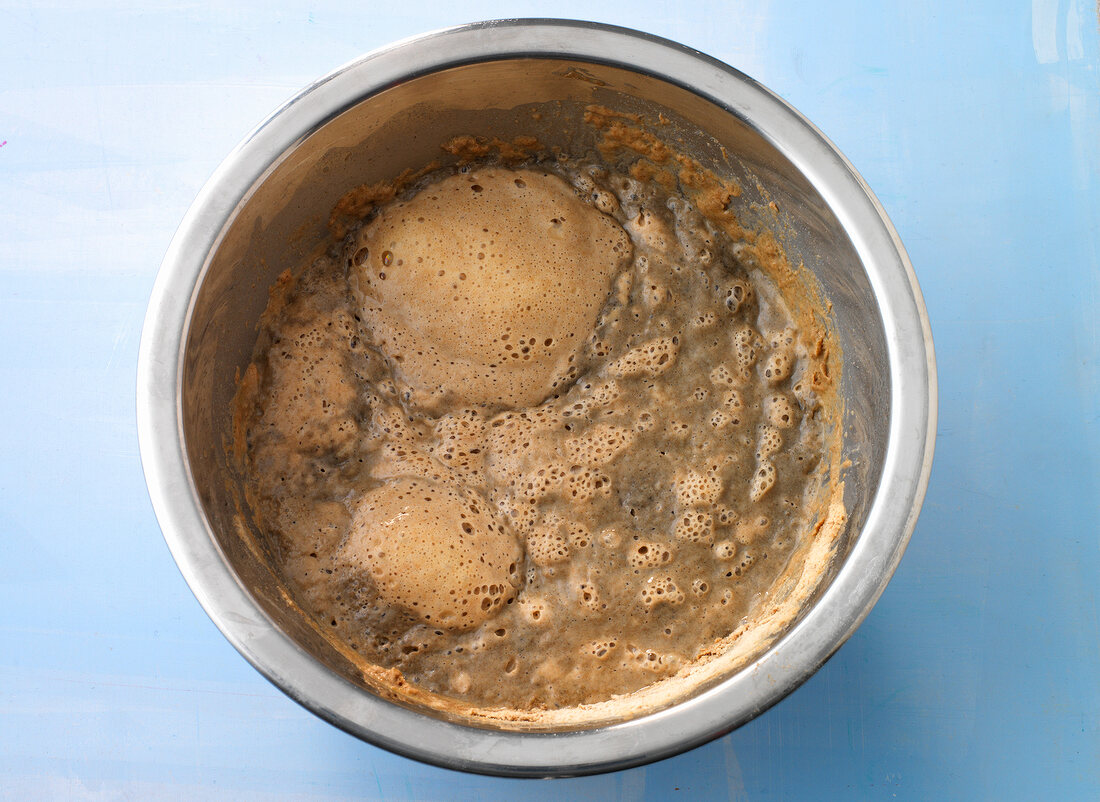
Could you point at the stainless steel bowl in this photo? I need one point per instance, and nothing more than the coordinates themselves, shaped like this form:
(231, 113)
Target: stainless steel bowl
(266, 208)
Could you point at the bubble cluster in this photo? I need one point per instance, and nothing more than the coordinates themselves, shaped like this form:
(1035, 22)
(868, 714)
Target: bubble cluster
(721, 375)
(309, 396)
(778, 366)
(605, 201)
(779, 411)
(725, 515)
(704, 321)
(763, 480)
(697, 489)
(695, 526)
(600, 649)
(590, 398)
(655, 661)
(584, 484)
(649, 359)
(744, 348)
(580, 536)
(661, 590)
(748, 560)
(599, 445)
(391, 421)
(546, 545)
(457, 442)
(396, 460)
(516, 439)
(769, 441)
(541, 483)
(678, 428)
(731, 400)
(736, 294)
(647, 554)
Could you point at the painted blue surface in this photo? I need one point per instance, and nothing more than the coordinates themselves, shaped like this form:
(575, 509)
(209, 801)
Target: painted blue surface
(976, 676)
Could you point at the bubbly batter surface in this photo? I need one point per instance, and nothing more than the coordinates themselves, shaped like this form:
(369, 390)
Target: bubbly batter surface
(534, 437)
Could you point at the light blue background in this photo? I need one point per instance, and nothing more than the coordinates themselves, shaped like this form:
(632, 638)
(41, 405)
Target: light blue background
(976, 676)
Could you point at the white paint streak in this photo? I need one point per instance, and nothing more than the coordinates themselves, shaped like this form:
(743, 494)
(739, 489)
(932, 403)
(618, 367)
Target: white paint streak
(1044, 30)
(122, 336)
(1075, 48)
(735, 780)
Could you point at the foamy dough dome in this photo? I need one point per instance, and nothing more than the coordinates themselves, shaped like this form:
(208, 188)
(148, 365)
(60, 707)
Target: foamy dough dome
(483, 286)
(434, 551)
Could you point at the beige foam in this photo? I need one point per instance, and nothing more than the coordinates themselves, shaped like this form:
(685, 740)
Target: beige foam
(763, 480)
(696, 489)
(545, 465)
(600, 445)
(695, 526)
(779, 411)
(650, 359)
(309, 395)
(769, 441)
(720, 419)
(661, 590)
(744, 346)
(434, 551)
(546, 546)
(648, 554)
(778, 367)
(486, 284)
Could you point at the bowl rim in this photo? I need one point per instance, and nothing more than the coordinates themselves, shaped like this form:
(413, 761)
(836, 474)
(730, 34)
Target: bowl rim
(706, 715)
